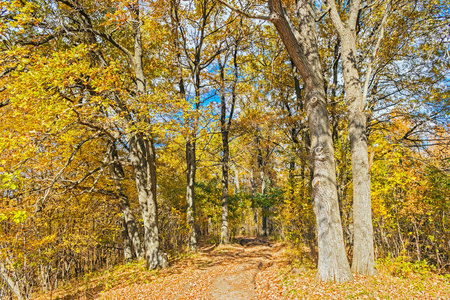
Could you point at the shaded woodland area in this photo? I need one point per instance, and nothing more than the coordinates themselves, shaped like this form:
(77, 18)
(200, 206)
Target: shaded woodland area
(134, 130)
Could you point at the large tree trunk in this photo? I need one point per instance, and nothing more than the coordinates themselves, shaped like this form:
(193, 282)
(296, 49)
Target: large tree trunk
(363, 251)
(143, 160)
(190, 194)
(142, 154)
(303, 50)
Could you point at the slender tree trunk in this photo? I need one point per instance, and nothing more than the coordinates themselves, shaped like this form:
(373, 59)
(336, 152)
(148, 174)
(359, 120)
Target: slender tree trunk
(265, 209)
(190, 194)
(254, 208)
(262, 178)
(13, 285)
(225, 130)
(224, 234)
(191, 164)
(334, 112)
(303, 50)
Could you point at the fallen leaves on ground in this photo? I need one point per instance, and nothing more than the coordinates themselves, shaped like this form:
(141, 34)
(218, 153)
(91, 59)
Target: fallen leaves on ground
(272, 273)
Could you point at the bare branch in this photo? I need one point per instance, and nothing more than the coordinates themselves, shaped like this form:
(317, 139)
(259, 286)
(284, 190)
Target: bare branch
(41, 201)
(245, 14)
(323, 15)
(374, 54)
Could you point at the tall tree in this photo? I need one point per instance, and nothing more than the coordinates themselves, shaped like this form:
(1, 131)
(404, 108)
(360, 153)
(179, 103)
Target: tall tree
(225, 125)
(363, 251)
(198, 41)
(302, 46)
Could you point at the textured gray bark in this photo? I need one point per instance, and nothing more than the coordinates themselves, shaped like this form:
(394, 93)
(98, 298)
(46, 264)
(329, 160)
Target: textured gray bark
(142, 154)
(143, 160)
(127, 247)
(363, 251)
(302, 48)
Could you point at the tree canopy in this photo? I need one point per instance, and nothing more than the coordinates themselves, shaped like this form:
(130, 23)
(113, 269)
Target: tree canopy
(134, 129)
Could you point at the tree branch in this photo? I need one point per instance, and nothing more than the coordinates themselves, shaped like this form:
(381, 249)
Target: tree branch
(40, 202)
(334, 14)
(374, 54)
(245, 14)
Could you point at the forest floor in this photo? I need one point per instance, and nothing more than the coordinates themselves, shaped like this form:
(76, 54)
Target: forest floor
(253, 269)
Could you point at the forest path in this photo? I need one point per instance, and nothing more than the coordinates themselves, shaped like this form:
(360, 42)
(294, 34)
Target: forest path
(252, 269)
(239, 281)
(232, 272)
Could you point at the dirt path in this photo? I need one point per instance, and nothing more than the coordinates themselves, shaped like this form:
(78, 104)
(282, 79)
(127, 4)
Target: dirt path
(239, 283)
(214, 273)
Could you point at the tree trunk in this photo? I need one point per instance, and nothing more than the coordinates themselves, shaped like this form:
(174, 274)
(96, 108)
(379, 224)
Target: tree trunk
(334, 112)
(254, 208)
(13, 285)
(225, 130)
(142, 154)
(363, 251)
(224, 235)
(190, 194)
(264, 209)
(303, 50)
(143, 160)
(127, 248)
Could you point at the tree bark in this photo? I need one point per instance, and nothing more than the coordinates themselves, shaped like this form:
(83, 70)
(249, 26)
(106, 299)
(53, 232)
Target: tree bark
(225, 130)
(127, 247)
(190, 194)
(264, 208)
(303, 50)
(143, 160)
(224, 237)
(363, 251)
(142, 154)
